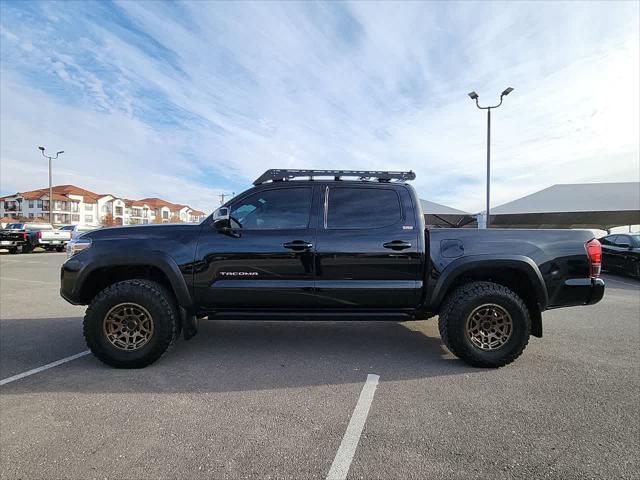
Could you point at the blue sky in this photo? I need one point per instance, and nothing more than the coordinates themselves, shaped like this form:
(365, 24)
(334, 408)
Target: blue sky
(188, 100)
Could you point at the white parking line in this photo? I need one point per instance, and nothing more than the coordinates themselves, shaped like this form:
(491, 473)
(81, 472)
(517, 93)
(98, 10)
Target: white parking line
(344, 456)
(44, 367)
(607, 279)
(29, 281)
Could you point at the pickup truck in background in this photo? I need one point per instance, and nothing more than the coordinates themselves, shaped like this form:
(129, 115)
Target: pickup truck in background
(303, 247)
(35, 235)
(13, 239)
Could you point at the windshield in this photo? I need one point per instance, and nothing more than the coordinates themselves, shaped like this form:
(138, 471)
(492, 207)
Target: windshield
(15, 226)
(635, 240)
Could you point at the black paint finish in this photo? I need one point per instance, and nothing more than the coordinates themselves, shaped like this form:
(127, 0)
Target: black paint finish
(397, 270)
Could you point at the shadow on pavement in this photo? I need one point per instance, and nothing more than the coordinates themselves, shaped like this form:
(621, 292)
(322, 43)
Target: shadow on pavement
(248, 355)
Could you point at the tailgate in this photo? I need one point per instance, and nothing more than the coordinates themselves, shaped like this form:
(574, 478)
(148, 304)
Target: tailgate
(55, 235)
(11, 235)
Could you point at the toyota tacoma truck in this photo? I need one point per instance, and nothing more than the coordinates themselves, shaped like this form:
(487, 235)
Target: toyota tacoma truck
(325, 244)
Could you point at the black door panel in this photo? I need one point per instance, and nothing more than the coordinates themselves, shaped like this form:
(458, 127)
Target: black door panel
(355, 267)
(269, 262)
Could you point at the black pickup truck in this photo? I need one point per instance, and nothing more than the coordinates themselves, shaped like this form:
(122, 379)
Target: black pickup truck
(300, 246)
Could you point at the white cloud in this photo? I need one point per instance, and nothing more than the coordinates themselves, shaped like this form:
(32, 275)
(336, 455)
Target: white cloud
(213, 96)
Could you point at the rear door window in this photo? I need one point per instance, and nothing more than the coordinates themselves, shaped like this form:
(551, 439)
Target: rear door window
(362, 208)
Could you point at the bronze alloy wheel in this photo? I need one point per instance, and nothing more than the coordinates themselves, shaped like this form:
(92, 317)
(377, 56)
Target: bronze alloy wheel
(489, 327)
(128, 326)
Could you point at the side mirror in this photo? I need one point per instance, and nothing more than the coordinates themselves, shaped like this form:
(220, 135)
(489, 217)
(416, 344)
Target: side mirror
(222, 219)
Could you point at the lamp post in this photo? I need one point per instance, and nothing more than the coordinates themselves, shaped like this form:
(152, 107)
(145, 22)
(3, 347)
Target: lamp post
(50, 185)
(475, 96)
(222, 195)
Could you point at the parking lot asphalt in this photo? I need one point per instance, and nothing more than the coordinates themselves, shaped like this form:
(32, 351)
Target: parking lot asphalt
(273, 399)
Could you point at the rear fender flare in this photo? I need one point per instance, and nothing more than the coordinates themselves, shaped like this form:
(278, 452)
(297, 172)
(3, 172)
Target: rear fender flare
(463, 265)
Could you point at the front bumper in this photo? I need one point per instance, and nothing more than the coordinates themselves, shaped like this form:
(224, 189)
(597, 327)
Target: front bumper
(68, 281)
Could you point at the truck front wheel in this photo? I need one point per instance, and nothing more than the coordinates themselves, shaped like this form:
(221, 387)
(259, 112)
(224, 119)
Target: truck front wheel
(130, 324)
(485, 324)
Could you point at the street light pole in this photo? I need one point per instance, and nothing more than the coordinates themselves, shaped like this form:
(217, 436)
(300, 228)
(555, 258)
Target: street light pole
(475, 96)
(50, 181)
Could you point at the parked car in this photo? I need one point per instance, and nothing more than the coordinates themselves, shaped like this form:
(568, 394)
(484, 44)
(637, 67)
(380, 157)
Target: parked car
(77, 230)
(39, 235)
(13, 239)
(621, 253)
(299, 247)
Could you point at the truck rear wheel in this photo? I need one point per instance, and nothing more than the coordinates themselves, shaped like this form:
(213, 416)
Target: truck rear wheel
(485, 324)
(130, 324)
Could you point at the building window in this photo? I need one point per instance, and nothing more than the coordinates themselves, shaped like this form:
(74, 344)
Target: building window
(88, 207)
(39, 203)
(165, 215)
(31, 215)
(30, 203)
(75, 207)
(88, 218)
(118, 210)
(75, 217)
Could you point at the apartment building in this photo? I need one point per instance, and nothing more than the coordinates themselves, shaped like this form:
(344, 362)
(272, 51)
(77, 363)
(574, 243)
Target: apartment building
(75, 205)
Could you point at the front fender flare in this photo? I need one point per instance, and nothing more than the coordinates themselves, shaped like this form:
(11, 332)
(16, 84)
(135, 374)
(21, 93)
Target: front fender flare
(154, 258)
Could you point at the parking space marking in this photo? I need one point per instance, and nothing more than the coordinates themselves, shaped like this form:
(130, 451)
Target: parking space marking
(29, 281)
(23, 262)
(607, 279)
(346, 451)
(42, 368)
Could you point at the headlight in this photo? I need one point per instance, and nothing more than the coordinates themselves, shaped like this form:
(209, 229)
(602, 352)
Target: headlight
(77, 245)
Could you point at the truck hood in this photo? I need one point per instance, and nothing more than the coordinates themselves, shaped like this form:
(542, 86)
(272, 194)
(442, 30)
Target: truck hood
(146, 232)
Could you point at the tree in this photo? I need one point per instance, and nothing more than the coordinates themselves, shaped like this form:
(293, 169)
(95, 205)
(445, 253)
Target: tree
(175, 219)
(134, 221)
(108, 220)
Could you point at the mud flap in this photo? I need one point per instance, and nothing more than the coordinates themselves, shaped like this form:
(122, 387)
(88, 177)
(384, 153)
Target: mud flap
(189, 323)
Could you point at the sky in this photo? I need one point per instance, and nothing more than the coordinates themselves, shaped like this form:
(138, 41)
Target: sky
(187, 100)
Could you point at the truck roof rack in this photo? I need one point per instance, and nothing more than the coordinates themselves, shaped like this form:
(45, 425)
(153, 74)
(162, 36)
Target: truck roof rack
(280, 175)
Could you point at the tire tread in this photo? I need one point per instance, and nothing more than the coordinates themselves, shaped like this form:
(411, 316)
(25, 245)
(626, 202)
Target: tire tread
(157, 293)
(456, 300)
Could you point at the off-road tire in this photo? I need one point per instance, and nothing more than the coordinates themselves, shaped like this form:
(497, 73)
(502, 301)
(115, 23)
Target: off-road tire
(13, 251)
(456, 309)
(153, 297)
(59, 249)
(27, 249)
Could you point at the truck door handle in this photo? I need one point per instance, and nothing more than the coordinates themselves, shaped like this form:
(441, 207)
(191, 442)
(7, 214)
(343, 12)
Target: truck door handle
(397, 245)
(298, 245)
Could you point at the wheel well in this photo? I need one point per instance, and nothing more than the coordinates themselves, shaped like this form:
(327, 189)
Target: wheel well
(101, 278)
(515, 280)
